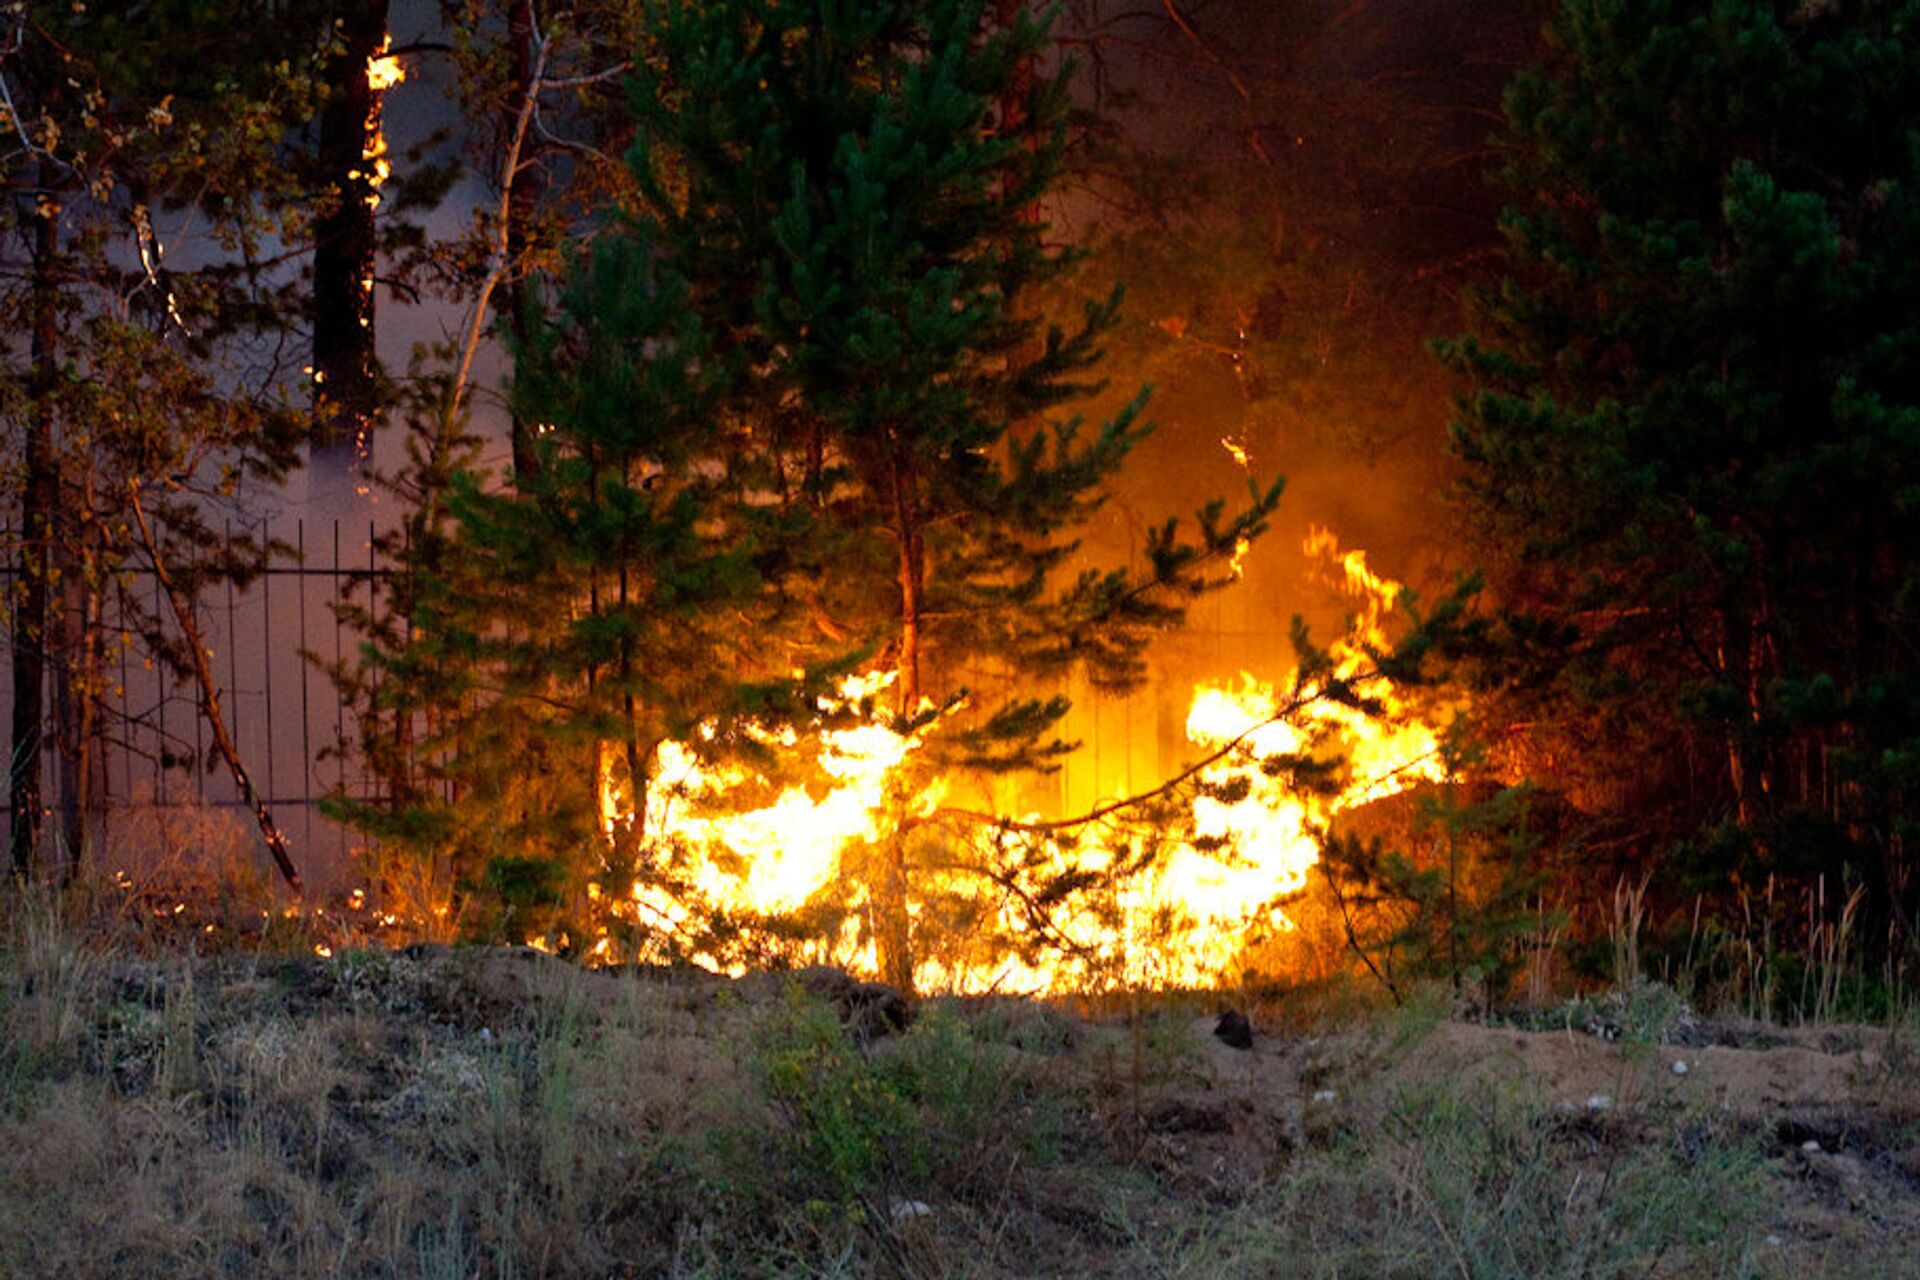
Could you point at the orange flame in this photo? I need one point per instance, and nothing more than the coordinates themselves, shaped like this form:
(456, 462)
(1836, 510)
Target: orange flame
(1184, 921)
(384, 71)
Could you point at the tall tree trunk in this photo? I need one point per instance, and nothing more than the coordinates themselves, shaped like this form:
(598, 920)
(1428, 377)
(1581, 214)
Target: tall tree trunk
(912, 579)
(40, 497)
(73, 686)
(525, 183)
(892, 920)
(1743, 659)
(637, 753)
(346, 370)
(77, 672)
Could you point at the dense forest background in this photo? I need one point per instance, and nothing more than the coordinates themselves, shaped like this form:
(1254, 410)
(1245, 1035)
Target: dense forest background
(691, 363)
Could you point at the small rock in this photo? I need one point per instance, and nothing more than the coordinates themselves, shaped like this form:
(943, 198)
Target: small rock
(1234, 1030)
(1811, 1144)
(1599, 1102)
(1679, 1067)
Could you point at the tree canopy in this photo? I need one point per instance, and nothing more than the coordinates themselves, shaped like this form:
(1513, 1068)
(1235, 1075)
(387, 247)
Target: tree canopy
(1691, 429)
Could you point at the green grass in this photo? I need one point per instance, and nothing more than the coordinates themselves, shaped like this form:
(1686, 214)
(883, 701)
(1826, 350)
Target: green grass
(486, 1115)
(1486, 1184)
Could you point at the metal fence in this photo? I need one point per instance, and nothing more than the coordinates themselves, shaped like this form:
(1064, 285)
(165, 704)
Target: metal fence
(294, 732)
(267, 642)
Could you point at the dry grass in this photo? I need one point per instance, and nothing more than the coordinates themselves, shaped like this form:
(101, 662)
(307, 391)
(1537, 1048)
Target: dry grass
(486, 1113)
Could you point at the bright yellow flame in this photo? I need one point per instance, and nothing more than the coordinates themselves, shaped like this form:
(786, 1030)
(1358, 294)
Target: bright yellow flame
(383, 72)
(384, 69)
(1379, 593)
(1237, 563)
(1185, 921)
(795, 842)
(1250, 853)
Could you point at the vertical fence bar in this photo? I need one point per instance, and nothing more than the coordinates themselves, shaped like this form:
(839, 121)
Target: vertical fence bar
(360, 728)
(339, 703)
(126, 679)
(233, 649)
(306, 726)
(198, 770)
(266, 665)
(160, 707)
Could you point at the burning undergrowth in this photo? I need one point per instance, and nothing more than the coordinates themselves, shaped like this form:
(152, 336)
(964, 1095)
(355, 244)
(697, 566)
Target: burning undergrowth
(776, 857)
(1173, 886)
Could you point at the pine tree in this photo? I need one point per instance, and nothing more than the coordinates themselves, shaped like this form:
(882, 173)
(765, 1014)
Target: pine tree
(563, 628)
(1692, 420)
(1451, 895)
(150, 390)
(854, 226)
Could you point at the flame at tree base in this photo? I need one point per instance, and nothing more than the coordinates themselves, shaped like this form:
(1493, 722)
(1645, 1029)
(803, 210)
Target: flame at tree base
(787, 879)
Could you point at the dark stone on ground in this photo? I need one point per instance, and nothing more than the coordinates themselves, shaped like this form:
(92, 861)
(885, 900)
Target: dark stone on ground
(1234, 1030)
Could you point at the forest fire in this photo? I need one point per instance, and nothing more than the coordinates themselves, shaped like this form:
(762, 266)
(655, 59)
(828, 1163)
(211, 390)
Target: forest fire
(793, 843)
(384, 70)
(1249, 840)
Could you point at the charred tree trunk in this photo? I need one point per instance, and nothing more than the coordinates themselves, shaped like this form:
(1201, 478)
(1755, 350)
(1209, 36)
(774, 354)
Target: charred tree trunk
(74, 682)
(638, 754)
(346, 371)
(1743, 660)
(912, 586)
(525, 182)
(40, 497)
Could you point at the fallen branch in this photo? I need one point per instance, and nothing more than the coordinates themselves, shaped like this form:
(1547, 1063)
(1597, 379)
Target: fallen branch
(210, 695)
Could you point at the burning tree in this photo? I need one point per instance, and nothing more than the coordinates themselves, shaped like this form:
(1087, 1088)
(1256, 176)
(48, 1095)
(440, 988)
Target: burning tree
(614, 598)
(852, 200)
(797, 420)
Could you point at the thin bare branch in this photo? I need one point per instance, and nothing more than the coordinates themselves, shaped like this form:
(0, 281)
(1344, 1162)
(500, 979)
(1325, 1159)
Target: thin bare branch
(1179, 20)
(498, 267)
(209, 692)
